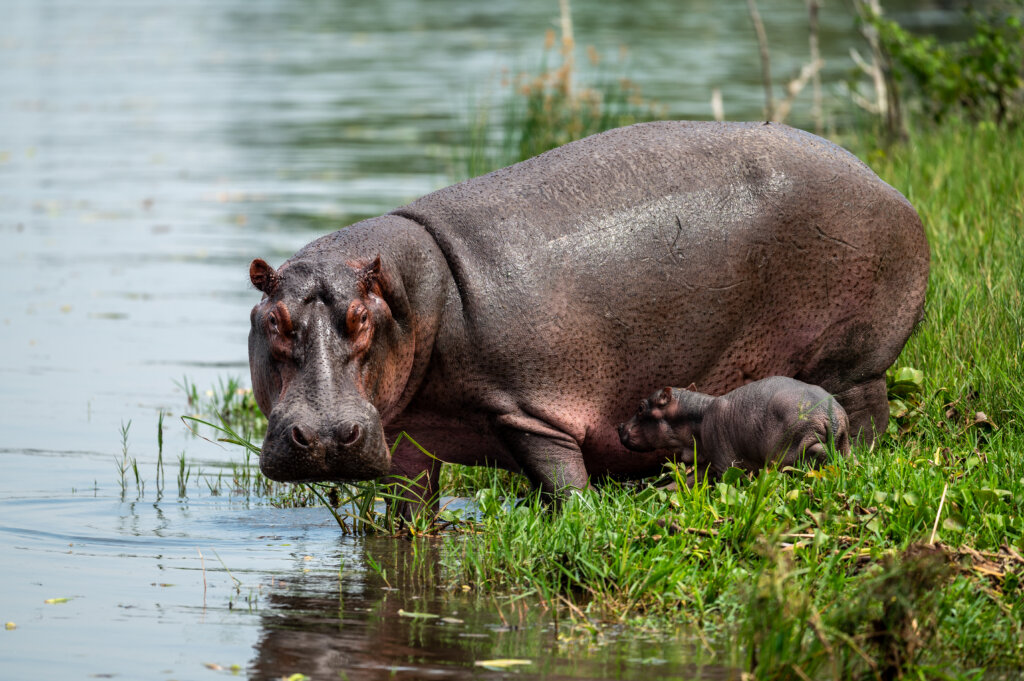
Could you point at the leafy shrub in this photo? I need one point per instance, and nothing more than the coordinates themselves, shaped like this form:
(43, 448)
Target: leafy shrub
(980, 78)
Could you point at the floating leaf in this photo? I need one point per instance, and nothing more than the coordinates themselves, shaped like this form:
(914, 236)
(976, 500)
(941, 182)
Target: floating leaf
(452, 620)
(53, 601)
(419, 615)
(297, 677)
(451, 515)
(501, 663)
(10, 625)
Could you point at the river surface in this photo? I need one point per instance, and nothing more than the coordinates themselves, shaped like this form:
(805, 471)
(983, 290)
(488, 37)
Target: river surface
(149, 151)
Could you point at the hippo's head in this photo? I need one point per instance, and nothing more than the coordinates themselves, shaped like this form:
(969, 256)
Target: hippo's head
(329, 354)
(662, 421)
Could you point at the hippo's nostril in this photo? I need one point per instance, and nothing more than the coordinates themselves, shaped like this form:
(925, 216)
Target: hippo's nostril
(300, 437)
(352, 435)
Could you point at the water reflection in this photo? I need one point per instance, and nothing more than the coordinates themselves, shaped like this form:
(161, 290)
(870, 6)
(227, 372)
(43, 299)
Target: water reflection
(404, 621)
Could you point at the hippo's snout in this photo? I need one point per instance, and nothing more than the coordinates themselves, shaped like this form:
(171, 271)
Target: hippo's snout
(626, 437)
(301, 448)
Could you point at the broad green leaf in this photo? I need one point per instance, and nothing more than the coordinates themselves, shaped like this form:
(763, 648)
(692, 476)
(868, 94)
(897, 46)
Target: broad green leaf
(897, 409)
(733, 475)
(906, 381)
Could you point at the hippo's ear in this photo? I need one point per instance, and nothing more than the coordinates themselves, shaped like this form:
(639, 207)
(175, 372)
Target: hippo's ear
(263, 276)
(692, 387)
(664, 397)
(370, 279)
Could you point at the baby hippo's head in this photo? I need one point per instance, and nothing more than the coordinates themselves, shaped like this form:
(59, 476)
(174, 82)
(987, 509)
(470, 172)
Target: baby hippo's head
(659, 423)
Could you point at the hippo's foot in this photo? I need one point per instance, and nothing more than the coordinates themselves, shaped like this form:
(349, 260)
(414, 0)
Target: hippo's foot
(867, 405)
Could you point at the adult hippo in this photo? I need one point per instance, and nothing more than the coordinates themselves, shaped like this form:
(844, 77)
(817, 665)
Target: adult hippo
(513, 319)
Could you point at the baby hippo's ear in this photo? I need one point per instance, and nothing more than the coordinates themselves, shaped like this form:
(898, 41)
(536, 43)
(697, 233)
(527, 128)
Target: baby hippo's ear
(664, 397)
(692, 387)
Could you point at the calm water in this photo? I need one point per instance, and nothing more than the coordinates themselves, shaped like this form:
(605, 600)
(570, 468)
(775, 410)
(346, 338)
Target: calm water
(150, 150)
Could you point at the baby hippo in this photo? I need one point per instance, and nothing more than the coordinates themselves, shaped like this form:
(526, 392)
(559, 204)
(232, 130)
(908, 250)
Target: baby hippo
(776, 420)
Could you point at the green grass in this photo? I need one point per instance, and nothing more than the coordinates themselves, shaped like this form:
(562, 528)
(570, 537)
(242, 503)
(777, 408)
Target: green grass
(832, 573)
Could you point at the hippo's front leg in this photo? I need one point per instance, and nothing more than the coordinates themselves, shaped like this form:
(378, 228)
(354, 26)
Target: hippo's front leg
(550, 458)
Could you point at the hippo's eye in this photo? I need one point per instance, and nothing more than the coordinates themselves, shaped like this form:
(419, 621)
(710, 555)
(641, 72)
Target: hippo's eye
(273, 321)
(362, 320)
(640, 409)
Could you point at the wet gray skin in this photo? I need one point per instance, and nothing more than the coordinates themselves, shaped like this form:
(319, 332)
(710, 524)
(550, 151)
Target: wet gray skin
(512, 319)
(776, 421)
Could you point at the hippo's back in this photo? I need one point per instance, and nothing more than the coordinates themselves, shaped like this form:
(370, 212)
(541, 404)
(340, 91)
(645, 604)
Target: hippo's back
(598, 183)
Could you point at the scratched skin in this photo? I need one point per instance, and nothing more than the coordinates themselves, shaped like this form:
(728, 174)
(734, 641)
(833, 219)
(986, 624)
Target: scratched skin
(776, 421)
(513, 319)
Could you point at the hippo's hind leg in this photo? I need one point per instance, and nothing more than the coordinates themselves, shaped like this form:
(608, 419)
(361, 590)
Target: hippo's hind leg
(552, 460)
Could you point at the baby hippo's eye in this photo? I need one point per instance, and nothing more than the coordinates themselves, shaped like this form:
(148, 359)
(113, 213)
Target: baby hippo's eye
(362, 320)
(640, 409)
(273, 321)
